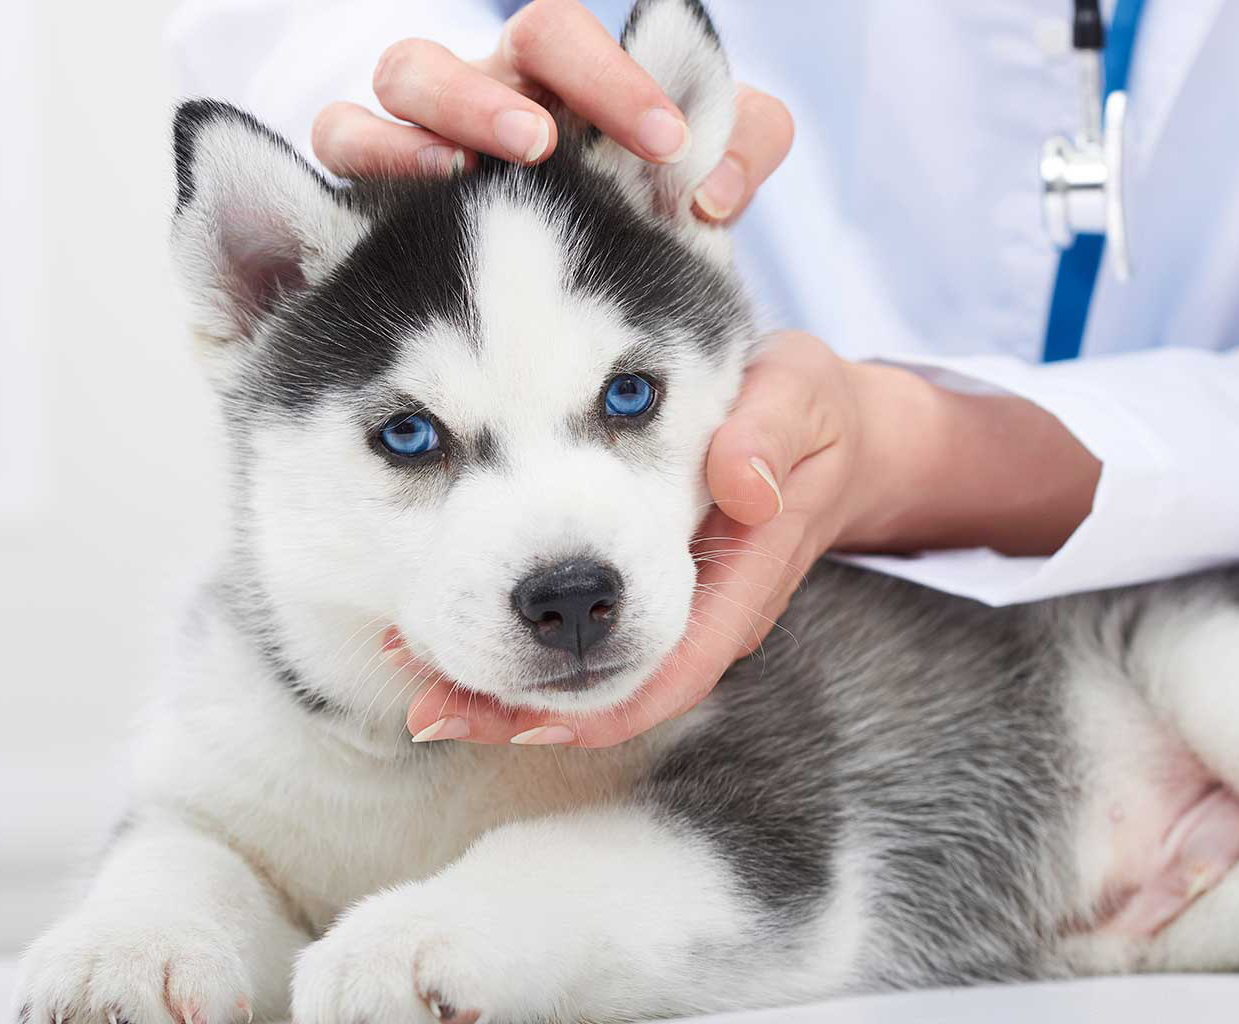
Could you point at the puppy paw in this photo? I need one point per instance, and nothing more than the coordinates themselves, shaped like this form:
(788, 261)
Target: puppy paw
(98, 969)
(402, 956)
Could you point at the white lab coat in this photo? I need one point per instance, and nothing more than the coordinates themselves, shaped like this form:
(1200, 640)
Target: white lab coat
(905, 225)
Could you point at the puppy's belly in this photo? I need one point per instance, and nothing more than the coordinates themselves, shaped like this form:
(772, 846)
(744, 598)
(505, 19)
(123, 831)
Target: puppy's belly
(1193, 855)
(1156, 830)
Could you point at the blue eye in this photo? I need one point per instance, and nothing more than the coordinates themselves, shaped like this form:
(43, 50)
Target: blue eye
(628, 395)
(413, 435)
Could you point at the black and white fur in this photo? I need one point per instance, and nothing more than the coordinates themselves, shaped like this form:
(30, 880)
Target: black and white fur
(915, 790)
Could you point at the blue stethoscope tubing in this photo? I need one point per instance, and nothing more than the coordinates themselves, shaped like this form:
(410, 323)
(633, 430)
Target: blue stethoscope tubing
(1078, 266)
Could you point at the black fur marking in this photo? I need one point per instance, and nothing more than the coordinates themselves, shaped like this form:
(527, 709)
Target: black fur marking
(189, 119)
(752, 799)
(660, 285)
(778, 845)
(693, 7)
(409, 271)
(485, 451)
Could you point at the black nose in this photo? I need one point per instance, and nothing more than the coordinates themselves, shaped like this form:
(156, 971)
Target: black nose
(571, 605)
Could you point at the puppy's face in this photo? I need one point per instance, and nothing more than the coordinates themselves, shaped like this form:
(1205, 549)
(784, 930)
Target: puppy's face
(475, 409)
(515, 480)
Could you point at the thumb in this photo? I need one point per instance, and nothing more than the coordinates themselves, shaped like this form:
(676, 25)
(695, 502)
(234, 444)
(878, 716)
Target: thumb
(780, 419)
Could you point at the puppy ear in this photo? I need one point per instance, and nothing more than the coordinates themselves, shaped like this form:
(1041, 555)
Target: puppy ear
(254, 224)
(675, 41)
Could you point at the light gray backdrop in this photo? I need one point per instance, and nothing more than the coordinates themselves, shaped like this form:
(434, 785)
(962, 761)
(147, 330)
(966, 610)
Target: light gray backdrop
(109, 471)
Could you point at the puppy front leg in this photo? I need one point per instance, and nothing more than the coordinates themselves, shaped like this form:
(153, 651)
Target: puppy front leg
(177, 926)
(604, 915)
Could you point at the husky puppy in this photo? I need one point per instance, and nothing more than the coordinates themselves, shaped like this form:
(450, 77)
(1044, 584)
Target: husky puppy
(478, 409)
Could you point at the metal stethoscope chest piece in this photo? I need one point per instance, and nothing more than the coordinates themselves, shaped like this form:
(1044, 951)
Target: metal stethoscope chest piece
(1082, 177)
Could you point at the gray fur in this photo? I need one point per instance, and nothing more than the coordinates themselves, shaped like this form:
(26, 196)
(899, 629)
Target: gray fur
(927, 729)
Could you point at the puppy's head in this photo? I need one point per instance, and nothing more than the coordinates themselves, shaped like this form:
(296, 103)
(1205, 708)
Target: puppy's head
(475, 408)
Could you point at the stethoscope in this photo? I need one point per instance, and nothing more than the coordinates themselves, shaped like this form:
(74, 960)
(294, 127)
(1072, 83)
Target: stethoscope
(1082, 175)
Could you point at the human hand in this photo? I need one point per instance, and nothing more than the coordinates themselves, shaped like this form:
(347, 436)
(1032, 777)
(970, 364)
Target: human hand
(448, 110)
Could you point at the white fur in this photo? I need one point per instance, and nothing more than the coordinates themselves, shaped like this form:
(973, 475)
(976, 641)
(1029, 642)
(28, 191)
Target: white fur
(554, 913)
(175, 922)
(554, 919)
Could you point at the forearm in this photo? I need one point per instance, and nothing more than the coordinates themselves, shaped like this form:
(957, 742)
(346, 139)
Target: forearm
(952, 470)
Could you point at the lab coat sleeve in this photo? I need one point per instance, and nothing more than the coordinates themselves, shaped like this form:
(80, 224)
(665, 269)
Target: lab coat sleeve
(1164, 423)
(284, 60)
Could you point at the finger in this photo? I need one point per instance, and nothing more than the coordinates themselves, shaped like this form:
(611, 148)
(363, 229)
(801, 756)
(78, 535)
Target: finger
(420, 81)
(561, 46)
(786, 569)
(355, 143)
(760, 141)
(442, 711)
(752, 569)
(784, 414)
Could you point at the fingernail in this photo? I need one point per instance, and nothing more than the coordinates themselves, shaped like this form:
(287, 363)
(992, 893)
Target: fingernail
(522, 134)
(544, 735)
(449, 728)
(440, 161)
(763, 471)
(721, 192)
(663, 135)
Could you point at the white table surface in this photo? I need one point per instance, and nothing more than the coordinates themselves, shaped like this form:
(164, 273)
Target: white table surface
(1153, 999)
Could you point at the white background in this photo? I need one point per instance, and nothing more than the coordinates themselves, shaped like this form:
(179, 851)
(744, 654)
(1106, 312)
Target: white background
(110, 482)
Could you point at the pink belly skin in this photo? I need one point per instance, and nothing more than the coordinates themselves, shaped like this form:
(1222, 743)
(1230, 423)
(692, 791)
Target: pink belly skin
(1198, 849)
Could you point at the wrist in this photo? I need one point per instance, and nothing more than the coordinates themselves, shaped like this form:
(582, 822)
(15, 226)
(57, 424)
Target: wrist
(901, 426)
(943, 469)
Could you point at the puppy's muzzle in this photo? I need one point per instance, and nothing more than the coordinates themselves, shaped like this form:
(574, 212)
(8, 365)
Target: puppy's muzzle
(570, 606)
